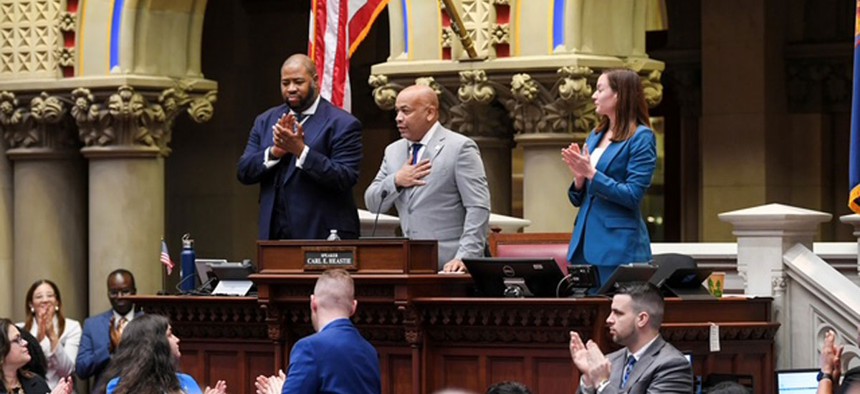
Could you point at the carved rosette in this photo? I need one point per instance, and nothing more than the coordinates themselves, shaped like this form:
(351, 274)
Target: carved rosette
(133, 120)
(45, 126)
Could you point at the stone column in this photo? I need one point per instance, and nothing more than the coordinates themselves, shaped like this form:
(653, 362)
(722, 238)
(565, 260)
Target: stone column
(126, 141)
(6, 262)
(49, 204)
(546, 180)
(742, 108)
(764, 234)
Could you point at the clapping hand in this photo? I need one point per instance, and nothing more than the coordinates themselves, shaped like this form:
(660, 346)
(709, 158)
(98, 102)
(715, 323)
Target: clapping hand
(116, 329)
(831, 356)
(590, 361)
(45, 316)
(579, 162)
(288, 136)
(270, 384)
(64, 386)
(220, 388)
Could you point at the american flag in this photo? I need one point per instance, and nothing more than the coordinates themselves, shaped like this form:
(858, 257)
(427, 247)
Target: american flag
(336, 29)
(165, 258)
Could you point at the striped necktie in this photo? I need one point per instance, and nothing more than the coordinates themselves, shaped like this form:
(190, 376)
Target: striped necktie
(628, 369)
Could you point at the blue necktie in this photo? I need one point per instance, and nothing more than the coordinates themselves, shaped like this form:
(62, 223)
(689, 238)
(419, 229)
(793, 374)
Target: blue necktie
(415, 148)
(628, 369)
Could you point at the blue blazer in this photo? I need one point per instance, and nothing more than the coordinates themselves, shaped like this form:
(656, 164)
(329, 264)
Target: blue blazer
(319, 194)
(609, 224)
(335, 360)
(94, 352)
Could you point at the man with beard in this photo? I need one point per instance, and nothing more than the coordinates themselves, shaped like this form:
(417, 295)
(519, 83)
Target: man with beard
(305, 154)
(102, 332)
(647, 363)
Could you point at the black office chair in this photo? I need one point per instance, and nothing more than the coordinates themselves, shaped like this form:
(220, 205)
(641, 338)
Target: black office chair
(667, 264)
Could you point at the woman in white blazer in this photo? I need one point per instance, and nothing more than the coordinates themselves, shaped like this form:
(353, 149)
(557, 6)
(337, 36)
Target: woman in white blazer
(59, 337)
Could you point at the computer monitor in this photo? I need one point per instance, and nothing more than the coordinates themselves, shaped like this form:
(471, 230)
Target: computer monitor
(625, 274)
(232, 271)
(515, 277)
(204, 269)
(797, 381)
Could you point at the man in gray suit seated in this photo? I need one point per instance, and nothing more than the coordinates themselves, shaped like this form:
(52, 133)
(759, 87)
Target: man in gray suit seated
(435, 178)
(647, 363)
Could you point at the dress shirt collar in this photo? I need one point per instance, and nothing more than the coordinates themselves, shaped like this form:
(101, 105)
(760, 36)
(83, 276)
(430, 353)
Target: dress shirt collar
(128, 316)
(638, 355)
(429, 136)
(309, 110)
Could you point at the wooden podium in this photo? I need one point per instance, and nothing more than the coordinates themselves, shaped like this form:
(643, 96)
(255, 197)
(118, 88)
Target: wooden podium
(430, 333)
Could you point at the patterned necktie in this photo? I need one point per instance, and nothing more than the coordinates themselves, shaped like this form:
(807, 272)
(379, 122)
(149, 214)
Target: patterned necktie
(628, 369)
(415, 148)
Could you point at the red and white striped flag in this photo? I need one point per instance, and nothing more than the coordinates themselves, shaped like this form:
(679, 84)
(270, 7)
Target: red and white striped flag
(336, 29)
(165, 258)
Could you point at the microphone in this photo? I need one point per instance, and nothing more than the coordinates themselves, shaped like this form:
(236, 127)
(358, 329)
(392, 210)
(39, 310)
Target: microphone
(378, 209)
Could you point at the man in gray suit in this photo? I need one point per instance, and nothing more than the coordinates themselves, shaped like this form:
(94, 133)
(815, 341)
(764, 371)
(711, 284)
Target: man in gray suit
(647, 363)
(436, 180)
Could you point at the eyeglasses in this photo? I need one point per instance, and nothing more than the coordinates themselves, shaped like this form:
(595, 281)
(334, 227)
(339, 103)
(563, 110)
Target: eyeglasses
(21, 341)
(121, 293)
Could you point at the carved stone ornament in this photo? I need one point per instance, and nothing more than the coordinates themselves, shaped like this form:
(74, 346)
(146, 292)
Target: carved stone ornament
(478, 112)
(46, 123)
(778, 283)
(384, 92)
(129, 119)
(652, 88)
(222, 320)
(67, 22)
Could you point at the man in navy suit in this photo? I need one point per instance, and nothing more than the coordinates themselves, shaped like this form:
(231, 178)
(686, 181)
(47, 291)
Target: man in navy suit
(337, 359)
(305, 154)
(646, 364)
(102, 332)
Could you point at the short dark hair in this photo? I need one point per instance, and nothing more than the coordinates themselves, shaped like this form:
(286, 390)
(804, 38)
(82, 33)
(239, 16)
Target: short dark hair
(646, 298)
(120, 271)
(508, 387)
(728, 387)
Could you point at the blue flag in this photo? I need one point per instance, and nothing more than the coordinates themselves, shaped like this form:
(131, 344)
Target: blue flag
(854, 155)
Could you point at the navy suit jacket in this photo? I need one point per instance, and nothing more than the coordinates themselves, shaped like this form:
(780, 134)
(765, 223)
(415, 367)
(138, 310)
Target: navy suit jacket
(609, 224)
(335, 360)
(319, 195)
(94, 352)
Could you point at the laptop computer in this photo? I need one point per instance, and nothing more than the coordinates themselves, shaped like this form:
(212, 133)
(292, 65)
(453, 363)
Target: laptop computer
(625, 274)
(797, 381)
(686, 283)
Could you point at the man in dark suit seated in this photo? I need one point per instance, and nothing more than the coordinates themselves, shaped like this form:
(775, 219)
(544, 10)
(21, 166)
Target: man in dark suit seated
(102, 332)
(647, 363)
(305, 154)
(337, 359)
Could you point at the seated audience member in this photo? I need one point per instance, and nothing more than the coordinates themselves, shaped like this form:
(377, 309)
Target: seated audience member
(102, 332)
(337, 358)
(37, 365)
(647, 363)
(508, 387)
(58, 336)
(147, 360)
(728, 388)
(15, 356)
(850, 382)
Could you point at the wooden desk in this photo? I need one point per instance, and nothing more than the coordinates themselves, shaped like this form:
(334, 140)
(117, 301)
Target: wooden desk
(427, 342)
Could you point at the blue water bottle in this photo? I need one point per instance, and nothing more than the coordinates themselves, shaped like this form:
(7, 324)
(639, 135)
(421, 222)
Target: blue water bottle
(188, 269)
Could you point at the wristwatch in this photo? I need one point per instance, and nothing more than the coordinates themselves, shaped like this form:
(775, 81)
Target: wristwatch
(822, 375)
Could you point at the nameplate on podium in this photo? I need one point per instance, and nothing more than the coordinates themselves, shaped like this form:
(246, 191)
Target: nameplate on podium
(325, 257)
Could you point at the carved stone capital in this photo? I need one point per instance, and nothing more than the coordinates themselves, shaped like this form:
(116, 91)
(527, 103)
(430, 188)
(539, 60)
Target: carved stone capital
(652, 88)
(778, 283)
(475, 113)
(384, 92)
(131, 122)
(44, 128)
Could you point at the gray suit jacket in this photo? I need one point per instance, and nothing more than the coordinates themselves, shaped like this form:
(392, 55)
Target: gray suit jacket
(661, 369)
(452, 208)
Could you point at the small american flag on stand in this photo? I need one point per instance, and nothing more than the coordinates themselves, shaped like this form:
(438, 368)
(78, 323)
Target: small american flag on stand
(165, 257)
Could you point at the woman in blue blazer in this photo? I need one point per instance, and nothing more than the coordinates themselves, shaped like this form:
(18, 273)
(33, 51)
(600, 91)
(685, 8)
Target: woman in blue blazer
(611, 173)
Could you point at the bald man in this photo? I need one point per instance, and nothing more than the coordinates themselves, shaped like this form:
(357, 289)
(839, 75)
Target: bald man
(337, 359)
(435, 179)
(305, 154)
